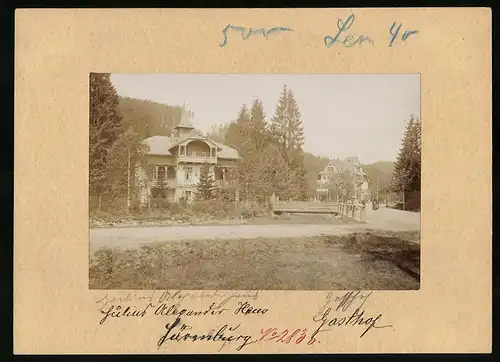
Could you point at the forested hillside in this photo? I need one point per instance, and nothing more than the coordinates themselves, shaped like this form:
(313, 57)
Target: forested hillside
(150, 118)
(380, 172)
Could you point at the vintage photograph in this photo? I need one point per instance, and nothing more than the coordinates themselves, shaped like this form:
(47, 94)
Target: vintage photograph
(254, 181)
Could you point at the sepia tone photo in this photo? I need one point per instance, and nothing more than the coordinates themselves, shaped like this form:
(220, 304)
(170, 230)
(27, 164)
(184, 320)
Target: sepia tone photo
(254, 181)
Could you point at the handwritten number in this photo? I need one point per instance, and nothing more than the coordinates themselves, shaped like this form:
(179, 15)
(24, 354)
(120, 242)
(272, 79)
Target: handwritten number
(283, 335)
(311, 341)
(407, 33)
(301, 337)
(395, 33)
(291, 336)
(271, 334)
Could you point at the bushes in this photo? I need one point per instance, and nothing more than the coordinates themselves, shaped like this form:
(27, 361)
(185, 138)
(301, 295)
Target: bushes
(412, 202)
(215, 209)
(221, 209)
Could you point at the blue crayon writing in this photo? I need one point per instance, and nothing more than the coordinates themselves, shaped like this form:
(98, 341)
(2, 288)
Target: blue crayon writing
(247, 33)
(346, 40)
(394, 32)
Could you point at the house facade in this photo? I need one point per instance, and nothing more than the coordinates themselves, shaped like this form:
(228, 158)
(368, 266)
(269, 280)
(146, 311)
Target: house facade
(351, 165)
(173, 166)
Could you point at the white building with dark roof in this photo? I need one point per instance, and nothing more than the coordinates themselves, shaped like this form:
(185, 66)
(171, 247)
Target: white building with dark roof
(174, 164)
(354, 168)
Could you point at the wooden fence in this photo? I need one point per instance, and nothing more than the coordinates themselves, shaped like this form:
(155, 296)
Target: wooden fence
(305, 207)
(346, 211)
(352, 212)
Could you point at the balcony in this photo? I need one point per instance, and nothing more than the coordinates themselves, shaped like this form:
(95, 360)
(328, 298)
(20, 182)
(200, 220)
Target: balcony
(197, 159)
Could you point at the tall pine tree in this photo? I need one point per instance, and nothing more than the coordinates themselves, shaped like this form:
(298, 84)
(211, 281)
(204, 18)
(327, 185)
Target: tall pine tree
(105, 128)
(407, 168)
(238, 130)
(258, 126)
(286, 125)
(205, 189)
(287, 131)
(294, 129)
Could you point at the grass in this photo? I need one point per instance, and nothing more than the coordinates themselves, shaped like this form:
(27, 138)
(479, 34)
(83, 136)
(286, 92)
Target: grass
(157, 219)
(370, 260)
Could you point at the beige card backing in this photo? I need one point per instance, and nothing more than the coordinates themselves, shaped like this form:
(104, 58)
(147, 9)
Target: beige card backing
(55, 50)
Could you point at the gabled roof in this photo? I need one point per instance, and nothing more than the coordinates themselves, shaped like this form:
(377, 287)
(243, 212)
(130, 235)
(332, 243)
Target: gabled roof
(342, 165)
(161, 146)
(158, 145)
(227, 152)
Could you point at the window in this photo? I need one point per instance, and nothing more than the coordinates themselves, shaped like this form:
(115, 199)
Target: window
(189, 173)
(193, 153)
(203, 154)
(171, 173)
(155, 175)
(188, 195)
(161, 173)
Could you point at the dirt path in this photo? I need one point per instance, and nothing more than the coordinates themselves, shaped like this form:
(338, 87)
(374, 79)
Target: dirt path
(130, 237)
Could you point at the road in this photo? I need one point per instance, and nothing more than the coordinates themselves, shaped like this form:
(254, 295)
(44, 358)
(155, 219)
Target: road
(391, 219)
(129, 237)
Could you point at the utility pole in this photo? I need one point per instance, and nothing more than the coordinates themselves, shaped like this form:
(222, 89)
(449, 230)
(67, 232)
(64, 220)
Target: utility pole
(378, 176)
(404, 206)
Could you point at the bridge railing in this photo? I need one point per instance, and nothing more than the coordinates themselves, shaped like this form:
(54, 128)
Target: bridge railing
(305, 206)
(347, 211)
(352, 212)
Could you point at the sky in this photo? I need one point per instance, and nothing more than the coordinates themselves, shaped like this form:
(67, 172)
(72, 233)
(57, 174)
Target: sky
(343, 115)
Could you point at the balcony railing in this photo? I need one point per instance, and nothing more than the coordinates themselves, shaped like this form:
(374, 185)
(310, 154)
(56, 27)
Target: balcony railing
(197, 159)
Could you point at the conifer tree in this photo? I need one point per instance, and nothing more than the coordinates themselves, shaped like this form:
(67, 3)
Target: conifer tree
(205, 189)
(258, 131)
(279, 120)
(407, 168)
(104, 127)
(286, 125)
(295, 132)
(238, 130)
